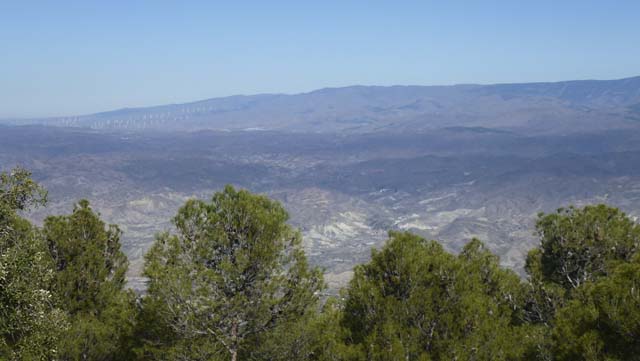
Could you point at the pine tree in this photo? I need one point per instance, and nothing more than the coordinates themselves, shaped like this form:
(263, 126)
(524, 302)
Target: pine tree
(89, 284)
(578, 245)
(602, 322)
(580, 254)
(318, 336)
(30, 324)
(233, 271)
(415, 301)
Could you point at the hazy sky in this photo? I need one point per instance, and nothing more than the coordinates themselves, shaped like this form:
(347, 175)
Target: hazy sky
(62, 57)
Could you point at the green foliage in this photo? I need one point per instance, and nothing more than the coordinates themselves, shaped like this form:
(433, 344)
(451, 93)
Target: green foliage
(18, 191)
(543, 298)
(232, 282)
(603, 321)
(316, 336)
(578, 245)
(89, 282)
(105, 336)
(416, 301)
(234, 270)
(89, 263)
(30, 325)
(573, 278)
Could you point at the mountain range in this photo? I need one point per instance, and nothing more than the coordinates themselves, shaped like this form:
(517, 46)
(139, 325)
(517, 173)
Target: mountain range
(350, 164)
(528, 108)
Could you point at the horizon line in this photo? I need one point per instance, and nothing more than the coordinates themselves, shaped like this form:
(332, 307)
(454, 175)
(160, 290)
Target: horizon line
(238, 95)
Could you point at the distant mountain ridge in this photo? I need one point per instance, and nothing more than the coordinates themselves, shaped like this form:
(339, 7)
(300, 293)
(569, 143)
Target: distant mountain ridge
(558, 107)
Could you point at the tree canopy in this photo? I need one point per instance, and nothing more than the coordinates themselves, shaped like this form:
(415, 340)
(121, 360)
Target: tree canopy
(578, 245)
(30, 324)
(231, 281)
(603, 321)
(233, 271)
(89, 282)
(415, 301)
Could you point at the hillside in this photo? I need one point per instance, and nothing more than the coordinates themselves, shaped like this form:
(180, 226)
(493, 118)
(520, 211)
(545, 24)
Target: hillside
(540, 108)
(345, 192)
(349, 164)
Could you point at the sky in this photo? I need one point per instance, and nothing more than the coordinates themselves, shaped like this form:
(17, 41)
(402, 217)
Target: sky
(62, 57)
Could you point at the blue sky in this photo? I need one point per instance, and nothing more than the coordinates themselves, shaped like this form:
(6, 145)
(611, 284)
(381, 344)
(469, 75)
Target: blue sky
(73, 57)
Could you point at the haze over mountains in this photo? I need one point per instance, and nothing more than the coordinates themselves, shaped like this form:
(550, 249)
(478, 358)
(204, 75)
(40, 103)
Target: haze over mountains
(448, 162)
(530, 107)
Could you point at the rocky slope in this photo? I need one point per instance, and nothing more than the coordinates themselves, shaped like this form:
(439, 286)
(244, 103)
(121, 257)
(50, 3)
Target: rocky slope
(345, 192)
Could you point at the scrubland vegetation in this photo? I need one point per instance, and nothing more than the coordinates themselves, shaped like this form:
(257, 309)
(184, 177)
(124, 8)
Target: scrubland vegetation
(231, 281)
